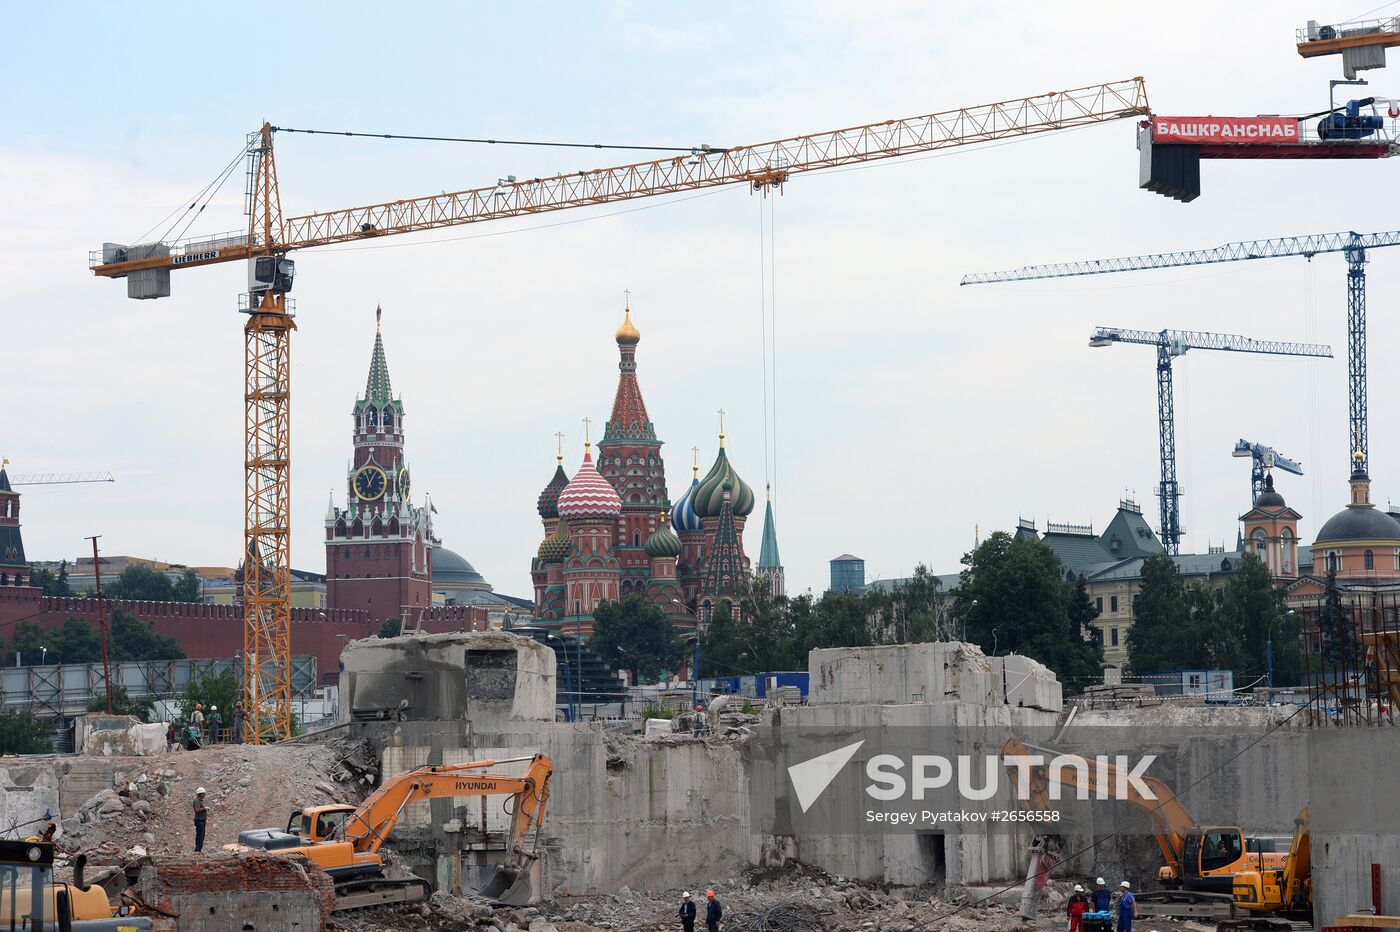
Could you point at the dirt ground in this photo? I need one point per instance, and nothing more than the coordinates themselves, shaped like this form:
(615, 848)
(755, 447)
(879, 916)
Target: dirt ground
(249, 787)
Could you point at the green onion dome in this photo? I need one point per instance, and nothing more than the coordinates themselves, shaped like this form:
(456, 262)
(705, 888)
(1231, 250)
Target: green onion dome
(709, 496)
(664, 542)
(555, 547)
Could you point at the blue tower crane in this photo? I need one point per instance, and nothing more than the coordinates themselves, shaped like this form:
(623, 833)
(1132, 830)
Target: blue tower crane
(1170, 344)
(1353, 245)
(1264, 458)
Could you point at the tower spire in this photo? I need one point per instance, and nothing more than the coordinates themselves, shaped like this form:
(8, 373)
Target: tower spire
(377, 387)
(770, 565)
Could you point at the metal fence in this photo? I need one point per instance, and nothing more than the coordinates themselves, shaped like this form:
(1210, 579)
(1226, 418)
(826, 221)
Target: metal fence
(61, 691)
(1352, 655)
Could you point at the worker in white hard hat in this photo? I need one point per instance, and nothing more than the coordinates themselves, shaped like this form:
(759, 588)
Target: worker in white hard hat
(215, 722)
(201, 818)
(1101, 898)
(687, 912)
(1127, 907)
(1075, 909)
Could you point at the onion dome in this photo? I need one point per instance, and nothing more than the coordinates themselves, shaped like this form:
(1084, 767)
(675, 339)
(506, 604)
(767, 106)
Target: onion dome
(549, 498)
(627, 334)
(588, 494)
(664, 542)
(555, 547)
(707, 499)
(683, 516)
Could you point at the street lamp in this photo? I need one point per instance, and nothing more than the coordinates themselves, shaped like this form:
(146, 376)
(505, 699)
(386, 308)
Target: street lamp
(568, 675)
(695, 663)
(43, 656)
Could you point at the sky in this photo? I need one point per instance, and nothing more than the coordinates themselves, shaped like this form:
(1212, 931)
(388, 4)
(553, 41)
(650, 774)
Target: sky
(907, 414)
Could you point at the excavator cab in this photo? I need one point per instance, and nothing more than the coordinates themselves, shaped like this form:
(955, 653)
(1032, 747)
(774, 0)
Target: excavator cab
(319, 823)
(31, 900)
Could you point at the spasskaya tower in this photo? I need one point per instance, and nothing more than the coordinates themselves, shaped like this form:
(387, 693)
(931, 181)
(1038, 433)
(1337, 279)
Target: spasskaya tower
(379, 546)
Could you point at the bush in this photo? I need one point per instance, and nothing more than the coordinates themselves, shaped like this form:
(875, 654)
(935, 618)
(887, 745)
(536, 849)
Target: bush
(655, 711)
(123, 704)
(22, 733)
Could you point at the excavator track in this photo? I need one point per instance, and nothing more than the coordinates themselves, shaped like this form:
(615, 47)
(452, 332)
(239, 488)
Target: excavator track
(1263, 924)
(1185, 904)
(379, 891)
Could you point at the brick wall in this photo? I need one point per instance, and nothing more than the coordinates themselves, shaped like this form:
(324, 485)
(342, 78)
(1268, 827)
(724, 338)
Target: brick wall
(259, 892)
(210, 631)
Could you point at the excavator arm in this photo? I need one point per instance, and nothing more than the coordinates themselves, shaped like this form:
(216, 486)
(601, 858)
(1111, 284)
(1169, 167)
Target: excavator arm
(369, 825)
(1101, 780)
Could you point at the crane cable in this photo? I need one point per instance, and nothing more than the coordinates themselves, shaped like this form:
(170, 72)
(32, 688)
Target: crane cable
(693, 150)
(204, 194)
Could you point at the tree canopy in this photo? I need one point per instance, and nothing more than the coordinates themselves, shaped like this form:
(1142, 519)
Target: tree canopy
(53, 584)
(1012, 597)
(145, 584)
(22, 733)
(636, 636)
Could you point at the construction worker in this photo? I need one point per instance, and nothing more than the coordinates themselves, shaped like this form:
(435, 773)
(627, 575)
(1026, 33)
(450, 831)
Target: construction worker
(240, 717)
(714, 912)
(1077, 906)
(1127, 907)
(687, 912)
(214, 721)
(201, 818)
(1101, 898)
(197, 717)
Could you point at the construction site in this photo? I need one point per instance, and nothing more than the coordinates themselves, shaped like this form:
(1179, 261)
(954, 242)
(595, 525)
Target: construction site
(498, 765)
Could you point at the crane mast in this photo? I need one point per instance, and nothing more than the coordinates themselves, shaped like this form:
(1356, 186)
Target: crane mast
(1170, 344)
(1351, 244)
(269, 236)
(1264, 458)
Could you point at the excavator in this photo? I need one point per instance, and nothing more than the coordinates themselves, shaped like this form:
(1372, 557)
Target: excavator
(1201, 862)
(1277, 899)
(31, 899)
(344, 840)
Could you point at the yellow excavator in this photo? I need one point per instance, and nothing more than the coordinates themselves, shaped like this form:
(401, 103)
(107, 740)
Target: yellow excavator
(345, 840)
(31, 899)
(1280, 898)
(1201, 862)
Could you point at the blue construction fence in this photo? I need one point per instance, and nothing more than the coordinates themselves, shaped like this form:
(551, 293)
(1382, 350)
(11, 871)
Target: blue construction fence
(754, 687)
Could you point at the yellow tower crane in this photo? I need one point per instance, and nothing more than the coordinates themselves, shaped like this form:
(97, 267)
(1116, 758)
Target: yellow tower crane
(270, 237)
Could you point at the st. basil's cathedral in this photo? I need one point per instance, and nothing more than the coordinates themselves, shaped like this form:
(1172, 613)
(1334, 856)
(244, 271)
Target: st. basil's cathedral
(611, 531)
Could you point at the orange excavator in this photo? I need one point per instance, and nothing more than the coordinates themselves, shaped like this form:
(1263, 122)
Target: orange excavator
(345, 840)
(1200, 861)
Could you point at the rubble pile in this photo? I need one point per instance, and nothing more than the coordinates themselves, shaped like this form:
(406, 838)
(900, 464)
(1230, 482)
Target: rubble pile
(248, 787)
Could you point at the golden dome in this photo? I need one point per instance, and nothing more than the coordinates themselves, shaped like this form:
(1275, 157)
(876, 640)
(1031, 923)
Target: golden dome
(628, 334)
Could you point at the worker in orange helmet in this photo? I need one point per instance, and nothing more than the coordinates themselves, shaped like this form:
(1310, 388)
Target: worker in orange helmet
(714, 911)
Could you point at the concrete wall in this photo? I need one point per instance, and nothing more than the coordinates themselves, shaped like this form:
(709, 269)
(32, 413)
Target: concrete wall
(1355, 819)
(939, 672)
(490, 679)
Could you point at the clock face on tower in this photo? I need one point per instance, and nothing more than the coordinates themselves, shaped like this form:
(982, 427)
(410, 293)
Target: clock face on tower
(370, 482)
(403, 483)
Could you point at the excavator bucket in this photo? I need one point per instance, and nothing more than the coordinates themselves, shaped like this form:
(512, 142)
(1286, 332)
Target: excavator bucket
(511, 886)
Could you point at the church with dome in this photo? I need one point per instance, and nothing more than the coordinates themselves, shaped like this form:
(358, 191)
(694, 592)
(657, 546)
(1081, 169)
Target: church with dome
(611, 529)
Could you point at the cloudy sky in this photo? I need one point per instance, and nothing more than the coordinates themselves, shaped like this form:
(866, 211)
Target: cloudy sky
(909, 411)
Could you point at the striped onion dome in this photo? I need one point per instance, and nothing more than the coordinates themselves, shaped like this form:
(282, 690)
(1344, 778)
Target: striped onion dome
(683, 517)
(707, 499)
(549, 498)
(555, 547)
(663, 542)
(588, 494)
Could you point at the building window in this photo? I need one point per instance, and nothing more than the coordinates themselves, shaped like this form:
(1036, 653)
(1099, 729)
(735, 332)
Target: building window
(1113, 607)
(1287, 550)
(1333, 564)
(1098, 605)
(1113, 637)
(1098, 636)
(1370, 560)
(1261, 542)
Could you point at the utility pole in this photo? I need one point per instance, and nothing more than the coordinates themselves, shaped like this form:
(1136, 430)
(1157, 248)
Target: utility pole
(102, 623)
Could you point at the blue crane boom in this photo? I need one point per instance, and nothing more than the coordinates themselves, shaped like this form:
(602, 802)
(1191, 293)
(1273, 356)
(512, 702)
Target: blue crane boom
(1170, 344)
(1264, 458)
(1352, 244)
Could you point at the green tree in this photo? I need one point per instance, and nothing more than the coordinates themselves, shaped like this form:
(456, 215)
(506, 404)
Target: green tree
(53, 584)
(75, 642)
(123, 704)
(391, 628)
(188, 588)
(29, 641)
(130, 638)
(640, 637)
(758, 639)
(1341, 647)
(1014, 598)
(1088, 660)
(916, 610)
(220, 690)
(140, 583)
(22, 733)
(1163, 636)
(1253, 612)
